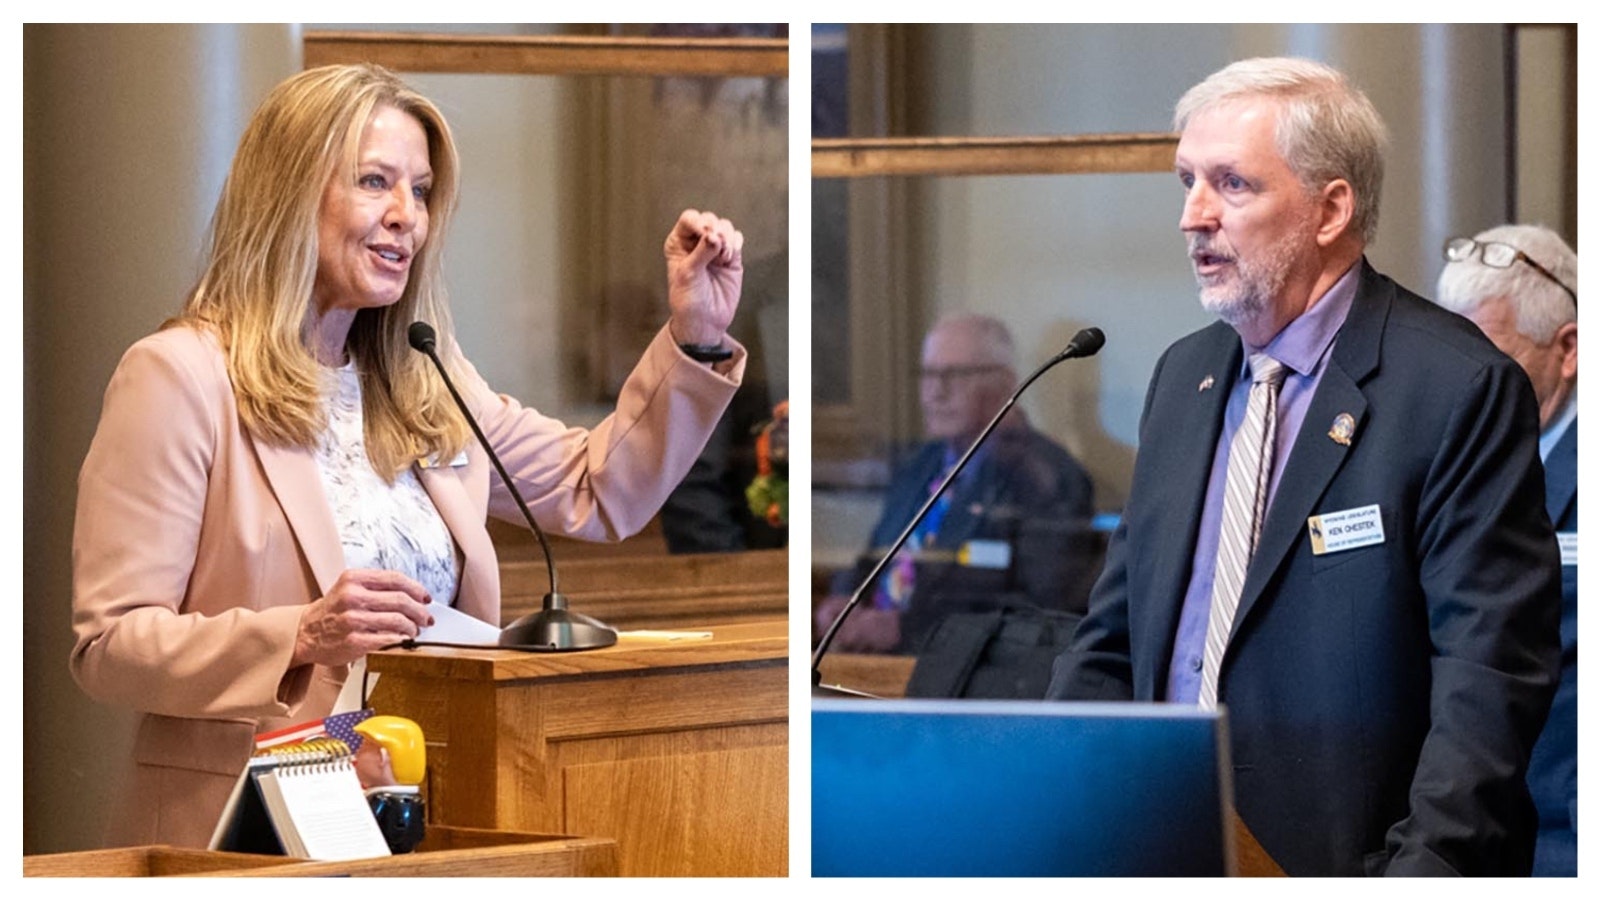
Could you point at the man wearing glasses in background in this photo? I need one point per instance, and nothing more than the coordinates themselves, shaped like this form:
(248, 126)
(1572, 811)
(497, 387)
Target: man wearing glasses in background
(1020, 481)
(1518, 283)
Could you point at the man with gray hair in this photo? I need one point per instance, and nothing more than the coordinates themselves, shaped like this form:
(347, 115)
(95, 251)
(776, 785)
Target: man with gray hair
(1518, 283)
(1336, 529)
(1020, 482)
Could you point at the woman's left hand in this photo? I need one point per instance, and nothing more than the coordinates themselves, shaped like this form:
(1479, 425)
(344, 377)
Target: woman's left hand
(705, 269)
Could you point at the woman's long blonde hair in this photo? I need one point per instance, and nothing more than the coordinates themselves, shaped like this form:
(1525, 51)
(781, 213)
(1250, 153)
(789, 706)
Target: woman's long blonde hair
(255, 293)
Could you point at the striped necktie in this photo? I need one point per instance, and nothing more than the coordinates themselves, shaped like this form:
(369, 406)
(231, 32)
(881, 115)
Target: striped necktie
(1244, 507)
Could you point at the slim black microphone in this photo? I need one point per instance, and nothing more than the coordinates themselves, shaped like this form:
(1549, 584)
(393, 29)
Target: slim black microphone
(1085, 343)
(554, 627)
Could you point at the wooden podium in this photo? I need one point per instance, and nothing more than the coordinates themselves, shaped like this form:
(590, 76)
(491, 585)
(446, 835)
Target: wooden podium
(676, 749)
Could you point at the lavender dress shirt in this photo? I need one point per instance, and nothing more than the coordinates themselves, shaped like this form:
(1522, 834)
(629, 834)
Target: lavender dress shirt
(1303, 347)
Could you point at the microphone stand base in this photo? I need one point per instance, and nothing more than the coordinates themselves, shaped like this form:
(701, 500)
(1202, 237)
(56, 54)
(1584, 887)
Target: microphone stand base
(556, 629)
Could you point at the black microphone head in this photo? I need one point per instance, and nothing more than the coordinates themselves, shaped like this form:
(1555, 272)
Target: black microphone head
(422, 337)
(1085, 343)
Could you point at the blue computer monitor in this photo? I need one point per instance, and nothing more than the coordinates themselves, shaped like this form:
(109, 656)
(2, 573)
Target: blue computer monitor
(998, 788)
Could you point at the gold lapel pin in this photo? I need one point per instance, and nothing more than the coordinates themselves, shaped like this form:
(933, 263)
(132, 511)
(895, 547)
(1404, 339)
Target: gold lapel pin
(1206, 383)
(1344, 427)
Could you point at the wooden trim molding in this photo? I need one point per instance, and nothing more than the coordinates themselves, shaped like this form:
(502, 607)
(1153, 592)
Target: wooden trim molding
(552, 54)
(1093, 153)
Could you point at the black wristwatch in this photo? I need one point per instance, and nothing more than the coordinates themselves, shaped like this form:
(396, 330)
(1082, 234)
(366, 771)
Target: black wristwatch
(706, 353)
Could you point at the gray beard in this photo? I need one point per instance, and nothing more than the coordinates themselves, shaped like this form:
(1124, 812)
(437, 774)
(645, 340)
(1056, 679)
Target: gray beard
(1234, 303)
(1249, 294)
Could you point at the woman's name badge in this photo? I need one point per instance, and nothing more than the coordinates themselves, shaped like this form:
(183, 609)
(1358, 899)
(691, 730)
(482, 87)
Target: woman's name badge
(432, 462)
(1345, 530)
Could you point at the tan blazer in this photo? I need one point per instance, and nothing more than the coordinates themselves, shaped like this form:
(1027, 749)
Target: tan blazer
(196, 547)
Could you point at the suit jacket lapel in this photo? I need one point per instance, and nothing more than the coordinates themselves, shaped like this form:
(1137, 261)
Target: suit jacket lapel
(1561, 476)
(478, 594)
(296, 482)
(1316, 457)
(1185, 472)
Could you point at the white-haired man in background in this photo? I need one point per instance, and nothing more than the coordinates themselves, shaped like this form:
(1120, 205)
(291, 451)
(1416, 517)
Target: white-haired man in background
(1021, 482)
(1519, 283)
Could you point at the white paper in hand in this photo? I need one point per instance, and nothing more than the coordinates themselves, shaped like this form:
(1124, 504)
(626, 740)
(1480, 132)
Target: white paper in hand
(452, 626)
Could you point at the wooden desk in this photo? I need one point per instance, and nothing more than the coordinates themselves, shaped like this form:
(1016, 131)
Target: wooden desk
(674, 592)
(881, 674)
(1250, 859)
(677, 750)
(445, 852)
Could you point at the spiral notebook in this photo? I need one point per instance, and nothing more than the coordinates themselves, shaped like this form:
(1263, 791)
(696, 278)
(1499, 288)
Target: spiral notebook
(302, 800)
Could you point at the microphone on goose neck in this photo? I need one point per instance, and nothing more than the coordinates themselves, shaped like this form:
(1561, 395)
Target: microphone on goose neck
(554, 627)
(1085, 343)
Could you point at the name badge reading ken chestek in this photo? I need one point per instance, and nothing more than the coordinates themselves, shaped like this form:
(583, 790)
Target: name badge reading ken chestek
(1345, 530)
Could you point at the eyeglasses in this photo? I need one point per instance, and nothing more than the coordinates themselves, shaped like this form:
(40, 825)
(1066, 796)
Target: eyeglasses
(1499, 256)
(955, 374)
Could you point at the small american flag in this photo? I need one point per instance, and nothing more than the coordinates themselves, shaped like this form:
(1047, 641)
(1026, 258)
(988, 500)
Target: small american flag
(343, 727)
(294, 734)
